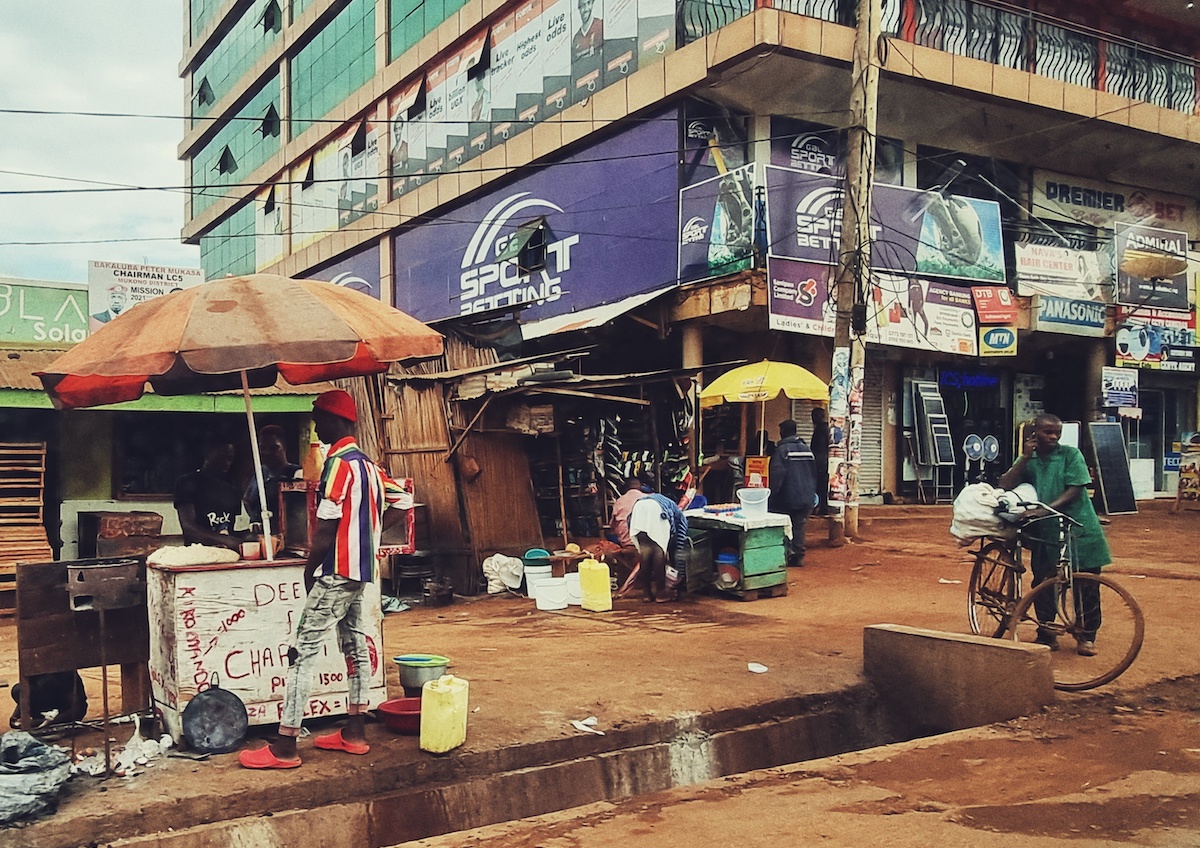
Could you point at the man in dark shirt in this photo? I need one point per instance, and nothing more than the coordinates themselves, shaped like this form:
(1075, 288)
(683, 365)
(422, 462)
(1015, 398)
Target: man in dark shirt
(820, 449)
(792, 490)
(208, 503)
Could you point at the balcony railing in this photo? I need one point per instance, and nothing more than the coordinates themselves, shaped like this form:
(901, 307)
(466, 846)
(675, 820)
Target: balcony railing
(997, 33)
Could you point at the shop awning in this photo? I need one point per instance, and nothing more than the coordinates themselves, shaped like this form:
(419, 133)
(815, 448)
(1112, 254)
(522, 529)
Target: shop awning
(20, 389)
(585, 319)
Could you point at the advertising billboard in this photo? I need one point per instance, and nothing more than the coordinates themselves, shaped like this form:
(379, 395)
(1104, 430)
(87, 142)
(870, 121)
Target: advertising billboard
(1062, 272)
(114, 287)
(716, 225)
(42, 314)
(912, 231)
(359, 271)
(1143, 287)
(603, 221)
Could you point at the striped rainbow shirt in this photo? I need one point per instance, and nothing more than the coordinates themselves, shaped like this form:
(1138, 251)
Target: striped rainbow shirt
(355, 491)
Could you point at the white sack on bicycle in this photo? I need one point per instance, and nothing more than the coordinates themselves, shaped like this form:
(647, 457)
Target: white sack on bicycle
(978, 507)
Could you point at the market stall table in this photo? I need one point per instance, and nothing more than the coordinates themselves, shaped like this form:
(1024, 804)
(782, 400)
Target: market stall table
(231, 625)
(759, 543)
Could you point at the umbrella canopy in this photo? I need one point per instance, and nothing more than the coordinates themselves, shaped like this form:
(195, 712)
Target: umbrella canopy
(762, 381)
(237, 332)
(203, 338)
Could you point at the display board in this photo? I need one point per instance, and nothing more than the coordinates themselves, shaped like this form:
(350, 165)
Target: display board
(1115, 485)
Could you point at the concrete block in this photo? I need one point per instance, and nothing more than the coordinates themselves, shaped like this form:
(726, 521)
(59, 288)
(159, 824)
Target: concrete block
(950, 681)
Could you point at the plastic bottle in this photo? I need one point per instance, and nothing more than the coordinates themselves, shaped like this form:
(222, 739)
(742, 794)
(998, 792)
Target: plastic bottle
(444, 714)
(313, 463)
(595, 586)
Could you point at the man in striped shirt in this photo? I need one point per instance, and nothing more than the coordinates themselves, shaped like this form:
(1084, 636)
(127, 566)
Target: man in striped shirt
(355, 494)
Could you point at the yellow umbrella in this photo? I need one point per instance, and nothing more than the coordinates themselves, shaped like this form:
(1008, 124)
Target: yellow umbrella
(760, 382)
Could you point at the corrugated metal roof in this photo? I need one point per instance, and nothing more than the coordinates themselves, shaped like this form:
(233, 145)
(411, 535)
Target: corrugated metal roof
(17, 369)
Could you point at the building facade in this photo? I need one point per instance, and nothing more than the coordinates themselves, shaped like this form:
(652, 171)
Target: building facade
(666, 178)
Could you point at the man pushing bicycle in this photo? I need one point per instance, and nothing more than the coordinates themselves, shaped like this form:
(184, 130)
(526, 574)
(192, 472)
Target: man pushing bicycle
(1059, 474)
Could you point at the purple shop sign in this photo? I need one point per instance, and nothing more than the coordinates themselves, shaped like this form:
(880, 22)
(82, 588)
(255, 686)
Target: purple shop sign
(912, 231)
(607, 214)
(359, 271)
(800, 297)
(716, 225)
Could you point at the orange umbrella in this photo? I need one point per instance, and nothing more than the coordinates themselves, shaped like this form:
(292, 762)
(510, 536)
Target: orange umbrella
(237, 332)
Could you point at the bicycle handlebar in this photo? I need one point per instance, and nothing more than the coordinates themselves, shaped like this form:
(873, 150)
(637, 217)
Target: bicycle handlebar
(1054, 513)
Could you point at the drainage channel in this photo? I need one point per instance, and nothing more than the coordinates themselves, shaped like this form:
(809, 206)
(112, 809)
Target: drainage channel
(490, 787)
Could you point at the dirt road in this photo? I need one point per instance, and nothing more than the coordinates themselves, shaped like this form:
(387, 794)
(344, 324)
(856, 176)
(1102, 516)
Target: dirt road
(649, 669)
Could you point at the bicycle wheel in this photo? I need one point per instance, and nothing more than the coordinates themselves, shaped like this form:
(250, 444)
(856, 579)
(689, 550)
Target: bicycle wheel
(994, 589)
(1089, 607)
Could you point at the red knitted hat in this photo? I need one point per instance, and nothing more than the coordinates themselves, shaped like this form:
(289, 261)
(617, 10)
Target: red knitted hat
(337, 402)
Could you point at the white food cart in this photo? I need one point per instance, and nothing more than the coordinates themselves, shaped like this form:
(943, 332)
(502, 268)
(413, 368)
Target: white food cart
(232, 624)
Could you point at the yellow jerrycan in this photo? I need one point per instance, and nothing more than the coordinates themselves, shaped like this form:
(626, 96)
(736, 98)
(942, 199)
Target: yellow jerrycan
(443, 714)
(595, 586)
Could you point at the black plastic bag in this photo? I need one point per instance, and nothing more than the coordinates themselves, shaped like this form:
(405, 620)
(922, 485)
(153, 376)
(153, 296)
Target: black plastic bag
(31, 775)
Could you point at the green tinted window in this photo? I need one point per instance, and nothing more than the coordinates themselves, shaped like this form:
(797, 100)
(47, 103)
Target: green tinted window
(218, 73)
(411, 20)
(339, 60)
(228, 248)
(238, 148)
(299, 7)
(201, 12)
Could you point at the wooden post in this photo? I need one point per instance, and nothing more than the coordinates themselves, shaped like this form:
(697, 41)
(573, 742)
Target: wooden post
(854, 246)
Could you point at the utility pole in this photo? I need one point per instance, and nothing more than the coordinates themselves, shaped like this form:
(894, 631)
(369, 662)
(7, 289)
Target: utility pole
(852, 275)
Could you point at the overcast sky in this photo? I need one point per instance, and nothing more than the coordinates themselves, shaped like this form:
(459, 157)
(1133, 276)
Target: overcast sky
(113, 56)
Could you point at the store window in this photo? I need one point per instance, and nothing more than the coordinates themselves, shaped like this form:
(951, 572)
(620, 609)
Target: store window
(151, 451)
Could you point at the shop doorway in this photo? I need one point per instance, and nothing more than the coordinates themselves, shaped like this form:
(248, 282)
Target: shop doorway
(976, 405)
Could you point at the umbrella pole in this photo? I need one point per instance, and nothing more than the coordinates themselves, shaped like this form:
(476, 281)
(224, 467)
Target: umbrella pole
(762, 428)
(268, 542)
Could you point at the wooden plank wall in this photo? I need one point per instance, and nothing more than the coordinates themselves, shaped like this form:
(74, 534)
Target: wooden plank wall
(467, 520)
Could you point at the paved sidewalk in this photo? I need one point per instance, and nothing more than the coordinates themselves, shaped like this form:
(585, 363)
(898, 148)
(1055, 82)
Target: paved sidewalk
(646, 672)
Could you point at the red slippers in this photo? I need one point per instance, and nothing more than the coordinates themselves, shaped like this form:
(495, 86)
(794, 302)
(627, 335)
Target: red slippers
(335, 742)
(264, 758)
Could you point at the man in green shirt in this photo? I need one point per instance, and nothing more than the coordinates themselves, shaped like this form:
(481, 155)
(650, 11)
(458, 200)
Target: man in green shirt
(1059, 474)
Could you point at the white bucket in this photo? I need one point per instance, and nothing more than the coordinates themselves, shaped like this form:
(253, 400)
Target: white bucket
(552, 593)
(534, 574)
(574, 593)
(754, 502)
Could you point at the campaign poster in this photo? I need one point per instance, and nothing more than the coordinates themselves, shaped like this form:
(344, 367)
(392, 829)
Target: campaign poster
(268, 226)
(716, 225)
(457, 265)
(656, 30)
(922, 314)
(1158, 339)
(115, 287)
(1135, 249)
(556, 56)
(914, 232)
(527, 21)
(801, 297)
(587, 47)
(406, 159)
(1064, 272)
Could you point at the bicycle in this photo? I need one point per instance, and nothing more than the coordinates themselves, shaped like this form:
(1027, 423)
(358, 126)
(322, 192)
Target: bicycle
(1073, 603)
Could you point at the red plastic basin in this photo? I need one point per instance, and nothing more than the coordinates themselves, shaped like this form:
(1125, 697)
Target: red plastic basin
(402, 715)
